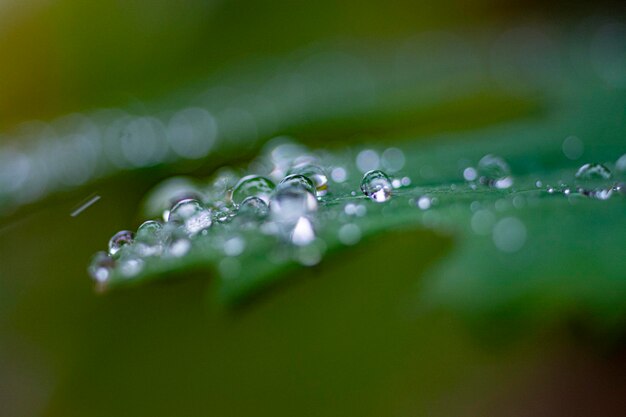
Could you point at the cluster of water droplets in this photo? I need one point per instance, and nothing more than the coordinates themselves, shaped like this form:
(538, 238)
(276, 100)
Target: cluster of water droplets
(283, 202)
(287, 195)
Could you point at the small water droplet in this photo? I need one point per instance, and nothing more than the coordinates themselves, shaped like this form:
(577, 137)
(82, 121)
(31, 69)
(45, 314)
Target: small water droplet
(119, 240)
(253, 185)
(253, 208)
(148, 238)
(100, 267)
(494, 172)
(192, 215)
(377, 186)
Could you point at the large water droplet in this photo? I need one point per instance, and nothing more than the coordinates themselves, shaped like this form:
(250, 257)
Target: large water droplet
(252, 185)
(494, 172)
(119, 240)
(148, 238)
(253, 208)
(377, 186)
(592, 172)
(100, 267)
(192, 215)
(314, 173)
(289, 203)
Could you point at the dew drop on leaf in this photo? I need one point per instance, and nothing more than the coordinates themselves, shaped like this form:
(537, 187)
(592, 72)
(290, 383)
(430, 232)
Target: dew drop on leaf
(314, 173)
(494, 172)
(593, 172)
(252, 185)
(253, 208)
(101, 266)
(298, 180)
(192, 215)
(377, 186)
(120, 239)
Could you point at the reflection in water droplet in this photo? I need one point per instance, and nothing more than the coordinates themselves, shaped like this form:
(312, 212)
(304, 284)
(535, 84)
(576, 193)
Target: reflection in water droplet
(377, 186)
(509, 235)
(303, 233)
(253, 185)
(494, 172)
(101, 266)
(119, 240)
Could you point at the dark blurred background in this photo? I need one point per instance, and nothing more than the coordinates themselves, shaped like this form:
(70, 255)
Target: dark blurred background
(341, 340)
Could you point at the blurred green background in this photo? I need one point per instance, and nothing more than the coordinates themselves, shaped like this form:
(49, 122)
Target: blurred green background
(341, 340)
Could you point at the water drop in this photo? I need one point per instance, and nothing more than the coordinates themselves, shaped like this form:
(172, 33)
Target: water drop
(119, 240)
(253, 208)
(253, 185)
(592, 172)
(289, 203)
(298, 180)
(192, 215)
(100, 267)
(314, 173)
(148, 238)
(377, 186)
(494, 172)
